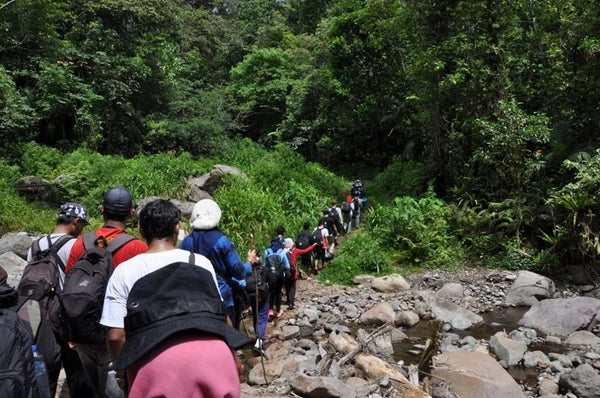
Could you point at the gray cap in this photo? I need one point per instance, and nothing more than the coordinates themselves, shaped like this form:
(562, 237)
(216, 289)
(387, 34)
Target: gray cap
(74, 210)
(118, 201)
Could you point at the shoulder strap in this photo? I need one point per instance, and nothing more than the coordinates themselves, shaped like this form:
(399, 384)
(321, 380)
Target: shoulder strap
(88, 240)
(119, 242)
(29, 311)
(192, 259)
(35, 247)
(54, 248)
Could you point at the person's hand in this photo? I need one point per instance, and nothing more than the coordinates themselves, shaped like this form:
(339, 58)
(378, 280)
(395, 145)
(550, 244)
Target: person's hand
(121, 379)
(242, 283)
(252, 256)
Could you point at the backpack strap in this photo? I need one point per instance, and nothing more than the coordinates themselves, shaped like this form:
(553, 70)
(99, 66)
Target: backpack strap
(119, 242)
(54, 248)
(192, 259)
(30, 312)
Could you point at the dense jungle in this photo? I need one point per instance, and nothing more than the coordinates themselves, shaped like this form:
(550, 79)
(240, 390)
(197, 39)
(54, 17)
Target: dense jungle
(473, 123)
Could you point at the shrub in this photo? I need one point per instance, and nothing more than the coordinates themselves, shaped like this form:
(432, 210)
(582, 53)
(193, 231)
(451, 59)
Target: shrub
(361, 253)
(400, 178)
(418, 229)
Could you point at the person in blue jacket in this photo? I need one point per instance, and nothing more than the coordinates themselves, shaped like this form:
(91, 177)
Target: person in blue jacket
(207, 240)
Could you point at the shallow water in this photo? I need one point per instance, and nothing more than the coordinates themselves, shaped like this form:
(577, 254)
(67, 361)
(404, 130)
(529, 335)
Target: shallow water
(502, 319)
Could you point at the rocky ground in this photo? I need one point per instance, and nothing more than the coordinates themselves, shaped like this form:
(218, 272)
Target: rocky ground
(466, 333)
(326, 347)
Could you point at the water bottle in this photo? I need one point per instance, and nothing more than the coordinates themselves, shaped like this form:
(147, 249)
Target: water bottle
(41, 373)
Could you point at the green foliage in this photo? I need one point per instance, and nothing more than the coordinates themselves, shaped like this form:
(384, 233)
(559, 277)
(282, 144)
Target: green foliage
(360, 253)
(418, 230)
(400, 178)
(517, 257)
(15, 213)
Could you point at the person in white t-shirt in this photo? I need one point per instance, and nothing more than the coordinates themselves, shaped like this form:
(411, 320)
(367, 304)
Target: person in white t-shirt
(159, 225)
(71, 220)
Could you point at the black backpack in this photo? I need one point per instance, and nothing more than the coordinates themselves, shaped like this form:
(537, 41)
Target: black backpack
(275, 270)
(346, 208)
(303, 239)
(257, 283)
(77, 319)
(317, 238)
(40, 278)
(17, 373)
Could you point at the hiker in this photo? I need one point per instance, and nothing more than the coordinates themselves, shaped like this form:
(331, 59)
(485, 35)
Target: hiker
(207, 240)
(71, 220)
(116, 208)
(16, 348)
(302, 242)
(336, 213)
(357, 211)
(256, 296)
(277, 264)
(168, 326)
(348, 213)
(280, 232)
(329, 224)
(290, 282)
(319, 239)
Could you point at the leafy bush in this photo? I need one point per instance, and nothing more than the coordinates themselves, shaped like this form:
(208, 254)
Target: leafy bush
(515, 256)
(361, 253)
(418, 229)
(400, 178)
(16, 213)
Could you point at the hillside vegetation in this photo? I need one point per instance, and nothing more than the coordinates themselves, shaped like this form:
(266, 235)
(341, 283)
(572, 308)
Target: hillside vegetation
(475, 121)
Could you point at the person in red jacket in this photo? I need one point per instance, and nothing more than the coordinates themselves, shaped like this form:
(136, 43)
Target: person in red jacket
(116, 208)
(290, 283)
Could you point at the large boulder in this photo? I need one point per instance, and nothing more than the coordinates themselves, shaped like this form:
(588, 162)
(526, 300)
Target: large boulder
(185, 207)
(583, 381)
(451, 290)
(204, 187)
(390, 283)
(14, 266)
(34, 188)
(560, 317)
(529, 288)
(18, 244)
(446, 311)
(583, 338)
(475, 375)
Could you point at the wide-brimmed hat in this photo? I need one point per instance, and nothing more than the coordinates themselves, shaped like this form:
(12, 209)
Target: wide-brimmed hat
(180, 297)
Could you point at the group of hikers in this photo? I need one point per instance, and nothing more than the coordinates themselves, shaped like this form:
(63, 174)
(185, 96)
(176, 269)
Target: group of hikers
(150, 316)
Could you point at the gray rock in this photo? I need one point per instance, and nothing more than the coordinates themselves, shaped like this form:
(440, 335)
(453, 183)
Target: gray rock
(390, 283)
(560, 317)
(18, 244)
(35, 188)
(442, 390)
(563, 359)
(14, 266)
(290, 332)
(406, 318)
(350, 310)
(449, 312)
(583, 381)
(548, 387)
(583, 338)
(213, 180)
(510, 351)
(451, 290)
(529, 288)
(474, 375)
(360, 279)
(186, 208)
(378, 315)
(320, 387)
(535, 358)
(310, 313)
